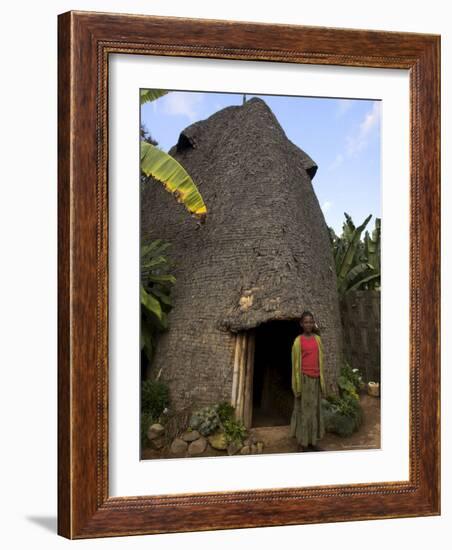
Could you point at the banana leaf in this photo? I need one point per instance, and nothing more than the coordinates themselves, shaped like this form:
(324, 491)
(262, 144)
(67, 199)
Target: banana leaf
(347, 261)
(154, 247)
(151, 304)
(151, 95)
(166, 169)
(162, 296)
(153, 262)
(356, 272)
(373, 277)
(163, 279)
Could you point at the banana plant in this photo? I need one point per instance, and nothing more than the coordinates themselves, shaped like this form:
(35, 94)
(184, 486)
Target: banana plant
(155, 293)
(372, 245)
(165, 169)
(357, 263)
(151, 95)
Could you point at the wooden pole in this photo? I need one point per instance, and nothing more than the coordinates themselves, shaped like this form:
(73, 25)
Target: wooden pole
(248, 393)
(235, 373)
(241, 384)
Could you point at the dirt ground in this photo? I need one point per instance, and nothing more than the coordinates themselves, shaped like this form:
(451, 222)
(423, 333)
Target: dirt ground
(276, 439)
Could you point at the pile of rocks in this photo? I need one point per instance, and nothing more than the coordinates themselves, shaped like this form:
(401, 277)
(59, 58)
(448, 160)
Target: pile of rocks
(192, 443)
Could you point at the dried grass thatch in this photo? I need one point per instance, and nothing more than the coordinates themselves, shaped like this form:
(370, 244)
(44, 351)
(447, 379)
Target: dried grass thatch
(263, 253)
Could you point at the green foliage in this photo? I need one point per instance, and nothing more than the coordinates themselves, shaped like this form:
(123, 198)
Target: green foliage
(342, 415)
(353, 376)
(347, 387)
(357, 262)
(151, 95)
(156, 285)
(206, 420)
(154, 397)
(219, 416)
(146, 136)
(225, 411)
(234, 431)
(167, 170)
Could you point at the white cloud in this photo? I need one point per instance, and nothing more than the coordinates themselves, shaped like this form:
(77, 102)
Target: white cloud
(337, 161)
(343, 105)
(182, 103)
(326, 206)
(359, 141)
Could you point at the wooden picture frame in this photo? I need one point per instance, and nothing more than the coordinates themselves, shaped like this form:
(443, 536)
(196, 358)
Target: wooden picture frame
(86, 40)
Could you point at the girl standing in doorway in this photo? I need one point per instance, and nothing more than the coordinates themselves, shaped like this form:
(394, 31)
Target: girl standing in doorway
(308, 385)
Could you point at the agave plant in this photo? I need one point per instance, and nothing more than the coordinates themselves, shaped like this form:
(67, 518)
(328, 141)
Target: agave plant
(165, 169)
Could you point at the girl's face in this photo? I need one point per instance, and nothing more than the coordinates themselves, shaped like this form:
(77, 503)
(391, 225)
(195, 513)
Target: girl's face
(307, 324)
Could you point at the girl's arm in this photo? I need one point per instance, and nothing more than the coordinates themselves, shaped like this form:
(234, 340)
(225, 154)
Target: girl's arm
(296, 375)
(322, 378)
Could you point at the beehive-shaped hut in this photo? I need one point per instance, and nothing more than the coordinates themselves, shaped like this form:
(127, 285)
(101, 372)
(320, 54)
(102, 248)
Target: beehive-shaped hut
(262, 257)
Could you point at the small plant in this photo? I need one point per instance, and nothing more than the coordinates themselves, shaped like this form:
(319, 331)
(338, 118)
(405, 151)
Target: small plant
(206, 420)
(225, 411)
(350, 381)
(234, 431)
(343, 415)
(347, 387)
(154, 397)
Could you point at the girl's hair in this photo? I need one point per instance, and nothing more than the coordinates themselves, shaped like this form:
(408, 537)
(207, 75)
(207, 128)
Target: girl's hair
(307, 313)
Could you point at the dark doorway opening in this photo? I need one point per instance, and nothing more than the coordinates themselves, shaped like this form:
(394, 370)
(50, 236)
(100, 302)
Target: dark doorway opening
(272, 378)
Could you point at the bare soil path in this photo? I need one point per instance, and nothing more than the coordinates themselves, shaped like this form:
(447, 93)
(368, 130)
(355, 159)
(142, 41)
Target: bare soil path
(277, 439)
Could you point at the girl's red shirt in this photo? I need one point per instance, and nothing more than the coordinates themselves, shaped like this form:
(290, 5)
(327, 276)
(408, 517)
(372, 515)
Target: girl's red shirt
(309, 356)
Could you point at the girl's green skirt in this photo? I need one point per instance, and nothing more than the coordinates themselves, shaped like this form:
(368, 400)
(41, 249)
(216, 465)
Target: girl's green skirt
(307, 423)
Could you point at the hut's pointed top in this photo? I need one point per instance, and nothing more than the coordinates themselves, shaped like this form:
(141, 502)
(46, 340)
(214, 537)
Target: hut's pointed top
(255, 114)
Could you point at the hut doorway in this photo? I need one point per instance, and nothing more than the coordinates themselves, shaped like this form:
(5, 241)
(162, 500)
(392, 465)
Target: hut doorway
(262, 390)
(272, 379)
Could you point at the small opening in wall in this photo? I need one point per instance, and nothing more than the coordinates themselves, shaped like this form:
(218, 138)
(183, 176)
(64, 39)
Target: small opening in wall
(272, 389)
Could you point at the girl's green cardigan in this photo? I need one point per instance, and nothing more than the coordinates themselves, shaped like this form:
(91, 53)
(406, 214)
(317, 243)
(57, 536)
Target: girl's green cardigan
(296, 365)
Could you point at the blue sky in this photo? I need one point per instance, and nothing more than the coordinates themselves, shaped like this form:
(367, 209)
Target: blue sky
(341, 135)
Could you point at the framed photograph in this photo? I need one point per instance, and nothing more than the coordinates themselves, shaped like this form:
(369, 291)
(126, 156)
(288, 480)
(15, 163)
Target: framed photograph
(248, 275)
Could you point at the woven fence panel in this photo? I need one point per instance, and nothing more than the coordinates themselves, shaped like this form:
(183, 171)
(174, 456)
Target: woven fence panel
(360, 315)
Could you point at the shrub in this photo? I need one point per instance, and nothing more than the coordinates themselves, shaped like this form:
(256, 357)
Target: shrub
(154, 397)
(234, 431)
(225, 411)
(206, 420)
(342, 415)
(354, 375)
(347, 387)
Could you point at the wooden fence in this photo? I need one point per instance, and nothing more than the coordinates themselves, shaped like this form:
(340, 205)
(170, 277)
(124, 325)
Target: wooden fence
(360, 314)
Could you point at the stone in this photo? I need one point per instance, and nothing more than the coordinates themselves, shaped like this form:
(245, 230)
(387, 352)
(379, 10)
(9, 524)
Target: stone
(191, 435)
(234, 447)
(178, 446)
(218, 441)
(197, 447)
(245, 450)
(155, 431)
(157, 443)
(260, 447)
(250, 440)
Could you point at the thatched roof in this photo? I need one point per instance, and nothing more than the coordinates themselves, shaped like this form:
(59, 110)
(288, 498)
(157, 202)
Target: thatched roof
(264, 250)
